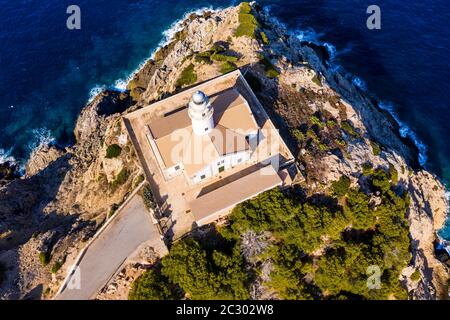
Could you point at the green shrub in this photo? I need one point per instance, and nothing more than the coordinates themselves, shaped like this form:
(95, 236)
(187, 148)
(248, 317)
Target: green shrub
(315, 120)
(121, 178)
(264, 38)
(152, 285)
(204, 57)
(298, 134)
(247, 22)
(227, 66)
(44, 258)
(367, 169)
(217, 48)
(247, 18)
(113, 210)
(206, 275)
(316, 80)
(245, 30)
(415, 276)
(147, 196)
(340, 187)
(140, 178)
(269, 68)
(187, 77)
(393, 173)
(57, 265)
(376, 150)
(348, 128)
(245, 7)
(222, 57)
(331, 123)
(113, 151)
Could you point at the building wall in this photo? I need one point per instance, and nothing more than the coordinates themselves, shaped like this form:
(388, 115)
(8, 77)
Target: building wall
(222, 164)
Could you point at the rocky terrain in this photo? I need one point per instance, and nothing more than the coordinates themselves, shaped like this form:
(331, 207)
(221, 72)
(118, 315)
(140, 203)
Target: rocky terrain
(332, 126)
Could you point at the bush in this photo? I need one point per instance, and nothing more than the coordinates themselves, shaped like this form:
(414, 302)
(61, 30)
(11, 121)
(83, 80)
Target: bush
(367, 169)
(113, 151)
(147, 196)
(340, 187)
(218, 48)
(315, 120)
(187, 77)
(298, 134)
(140, 178)
(269, 68)
(152, 285)
(415, 276)
(222, 57)
(57, 265)
(245, 7)
(227, 67)
(44, 258)
(264, 38)
(393, 173)
(376, 150)
(316, 80)
(121, 178)
(204, 57)
(348, 128)
(247, 22)
(206, 275)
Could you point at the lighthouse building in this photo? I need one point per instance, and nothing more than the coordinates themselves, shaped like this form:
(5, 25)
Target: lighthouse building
(205, 138)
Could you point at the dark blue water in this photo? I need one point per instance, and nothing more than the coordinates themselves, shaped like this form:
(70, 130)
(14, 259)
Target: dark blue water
(49, 72)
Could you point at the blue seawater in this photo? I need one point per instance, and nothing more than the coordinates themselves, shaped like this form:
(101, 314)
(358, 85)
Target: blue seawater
(48, 73)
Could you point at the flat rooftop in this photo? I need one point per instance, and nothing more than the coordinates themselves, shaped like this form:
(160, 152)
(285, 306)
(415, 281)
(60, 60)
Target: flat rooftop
(176, 196)
(237, 191)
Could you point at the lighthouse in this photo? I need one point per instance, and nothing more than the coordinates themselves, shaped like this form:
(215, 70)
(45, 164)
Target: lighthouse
(201, 113)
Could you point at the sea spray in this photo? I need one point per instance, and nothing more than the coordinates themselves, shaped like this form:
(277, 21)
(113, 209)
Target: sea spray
(406, 132)
(40, 136)
(168, 34)
(5, 156)
(95, 91)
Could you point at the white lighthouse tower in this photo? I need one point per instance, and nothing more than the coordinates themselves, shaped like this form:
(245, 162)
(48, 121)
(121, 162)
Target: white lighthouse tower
(201, 113)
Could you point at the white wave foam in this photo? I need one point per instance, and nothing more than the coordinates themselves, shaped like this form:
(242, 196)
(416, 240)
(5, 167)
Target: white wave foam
(95, 91)
(122, 83)
(406, 132)
(40, 136)
(177, 26)
(5, 156)
(360, 83)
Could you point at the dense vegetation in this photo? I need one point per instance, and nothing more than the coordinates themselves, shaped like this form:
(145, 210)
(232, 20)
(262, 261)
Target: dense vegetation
(197, 271)
(247, 22)
(332, 240)
(113, 151)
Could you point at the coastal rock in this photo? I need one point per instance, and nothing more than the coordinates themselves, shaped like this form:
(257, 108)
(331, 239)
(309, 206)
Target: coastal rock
(41, 157)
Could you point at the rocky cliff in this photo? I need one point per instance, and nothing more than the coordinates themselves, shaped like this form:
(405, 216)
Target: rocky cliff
(331, 126)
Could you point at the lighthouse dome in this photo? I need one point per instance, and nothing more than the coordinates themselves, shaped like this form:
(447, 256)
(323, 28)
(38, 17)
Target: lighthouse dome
(199, 97)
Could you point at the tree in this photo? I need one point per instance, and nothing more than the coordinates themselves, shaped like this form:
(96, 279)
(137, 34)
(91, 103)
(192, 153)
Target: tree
(203, 276)
(152, 285)
(340, 187)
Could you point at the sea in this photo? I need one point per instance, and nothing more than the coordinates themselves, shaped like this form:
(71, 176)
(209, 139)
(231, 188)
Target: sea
(48, 72)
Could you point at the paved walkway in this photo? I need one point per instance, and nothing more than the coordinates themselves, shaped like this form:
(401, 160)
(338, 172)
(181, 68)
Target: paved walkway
(128, 230)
